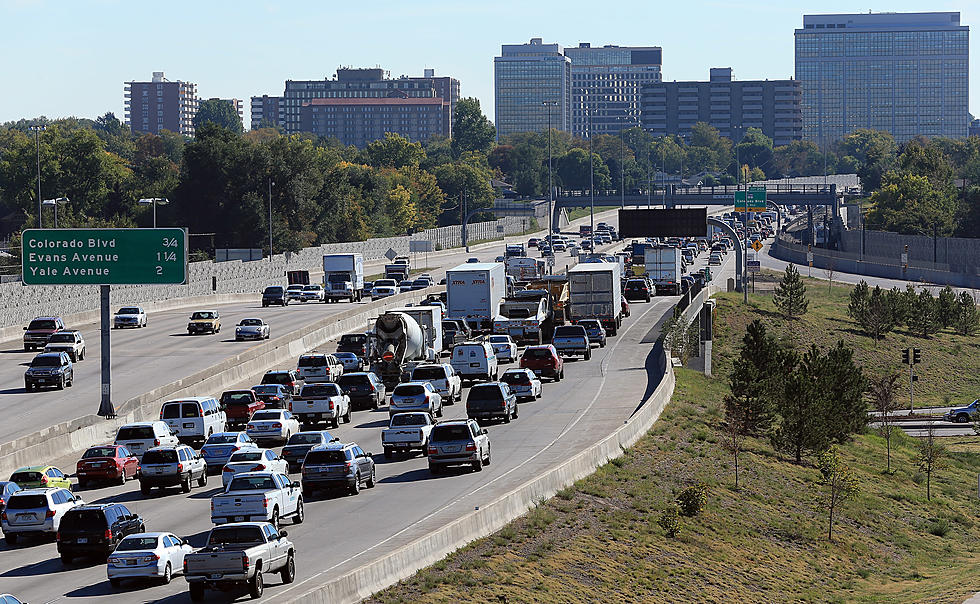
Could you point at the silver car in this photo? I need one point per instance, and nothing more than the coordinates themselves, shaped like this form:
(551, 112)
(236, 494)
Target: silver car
(147, 556)
(251, 329)
(415, 396)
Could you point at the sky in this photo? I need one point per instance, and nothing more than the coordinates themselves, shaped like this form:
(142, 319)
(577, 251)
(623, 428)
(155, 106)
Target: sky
(72, 57)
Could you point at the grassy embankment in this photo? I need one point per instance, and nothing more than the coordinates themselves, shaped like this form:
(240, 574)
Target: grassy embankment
(599, 541)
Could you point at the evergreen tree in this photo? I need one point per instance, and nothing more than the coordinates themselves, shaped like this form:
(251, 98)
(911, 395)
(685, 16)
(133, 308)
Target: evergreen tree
(946, 308)
(790, 294)
(751, 379)
(967, 319)
(874, 311)
(922, 318)
(842, 388)
(858, 304)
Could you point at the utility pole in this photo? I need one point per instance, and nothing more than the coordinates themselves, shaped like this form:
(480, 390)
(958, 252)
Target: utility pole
(37, 145)
(270, 218)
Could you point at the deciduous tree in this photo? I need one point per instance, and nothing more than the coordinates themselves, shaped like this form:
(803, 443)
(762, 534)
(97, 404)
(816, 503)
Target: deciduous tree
(883, 396)
(838, 484)
(930, 458)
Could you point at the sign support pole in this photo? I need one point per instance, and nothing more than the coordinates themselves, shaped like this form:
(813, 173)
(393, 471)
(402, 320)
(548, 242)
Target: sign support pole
(106, 408)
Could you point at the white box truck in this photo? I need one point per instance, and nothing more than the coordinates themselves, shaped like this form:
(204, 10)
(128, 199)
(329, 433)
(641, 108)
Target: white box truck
(522, 268)
(662, 264)
(595, 293)
(343, 277)
(474, 293)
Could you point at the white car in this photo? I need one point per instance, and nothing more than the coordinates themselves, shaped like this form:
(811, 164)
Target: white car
(504, 347)
(36, 512)
(295, 292)
(129, 316)
(251, 329)
(68, 341)
(147, 556)
(313, 293)
(523, 383)
(415, 396)
(382, 291)
(252, 460)
(272, 425)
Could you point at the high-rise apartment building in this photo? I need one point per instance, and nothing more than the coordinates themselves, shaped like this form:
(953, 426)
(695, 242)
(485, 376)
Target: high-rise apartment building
(359, 121)
(268, 111)
(905, 73)
(532, 84)
(161, 105)
(773, 106)
(607, 81)
(366, 83)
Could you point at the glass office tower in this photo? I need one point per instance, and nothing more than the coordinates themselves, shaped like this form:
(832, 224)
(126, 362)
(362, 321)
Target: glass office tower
(905, 73)
(525, 76)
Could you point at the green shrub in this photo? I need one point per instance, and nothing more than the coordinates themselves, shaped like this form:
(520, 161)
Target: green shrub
(693, 499)
(938, 527)
(670, 521)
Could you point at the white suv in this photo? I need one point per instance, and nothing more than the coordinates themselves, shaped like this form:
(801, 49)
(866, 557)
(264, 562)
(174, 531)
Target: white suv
(443, 378)
(140, 437)
(35, 512)
(172, 466)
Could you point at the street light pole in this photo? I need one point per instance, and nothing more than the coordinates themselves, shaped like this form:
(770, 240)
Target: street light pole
(55, 202)
(154, 201)
(270, 218)
(622, 164)
(549, 105)
(37, 144)
(591, 184)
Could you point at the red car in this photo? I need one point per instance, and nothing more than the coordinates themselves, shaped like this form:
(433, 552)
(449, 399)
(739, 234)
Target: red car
(626, 308)
(106, 462)
(543, 360)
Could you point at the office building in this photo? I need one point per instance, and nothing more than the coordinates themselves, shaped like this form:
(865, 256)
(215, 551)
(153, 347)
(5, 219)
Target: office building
(608, 81)
(161, 105)
(351, 83)
(905, 73)
(267, 111)
(773, 106)
(359, 121)
(974, 129)
(525, 77)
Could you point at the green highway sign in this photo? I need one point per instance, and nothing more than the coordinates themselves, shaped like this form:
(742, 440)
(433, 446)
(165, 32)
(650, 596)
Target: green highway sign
(104, 256)
(756, 200)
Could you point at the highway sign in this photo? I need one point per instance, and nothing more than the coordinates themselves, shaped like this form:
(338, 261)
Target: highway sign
(754, 266)
(104, 256)
(390, 254)
(809, 258)
(756, 200)
(757, 245)
(420, 246)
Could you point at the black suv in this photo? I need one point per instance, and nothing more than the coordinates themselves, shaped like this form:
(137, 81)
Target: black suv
(365, 389)
(637, 289)
(274, 294)
(95, 530)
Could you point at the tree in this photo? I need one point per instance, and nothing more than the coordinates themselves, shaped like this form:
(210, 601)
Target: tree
(930, 458)
(839, 485)
(755, 148)
(394, 151)
(751, 379)
(218, 112)
(922, 318)
(472, 131)
(911, 204)
(842, 385)
(572, 169)
(790, 294)
(675, 337)
(829, 271)
(875, 312)
(946, 307)
(870, 153)
(967, 320)
(735, 429)
(883, 395)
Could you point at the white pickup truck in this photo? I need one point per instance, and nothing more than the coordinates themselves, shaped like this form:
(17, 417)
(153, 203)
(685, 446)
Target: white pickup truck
(321, 402)
(407, 431)
(236, 556)
(258, 497)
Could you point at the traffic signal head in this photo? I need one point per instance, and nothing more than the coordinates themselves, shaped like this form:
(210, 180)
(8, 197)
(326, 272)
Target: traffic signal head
(916, 355)
(905, 356)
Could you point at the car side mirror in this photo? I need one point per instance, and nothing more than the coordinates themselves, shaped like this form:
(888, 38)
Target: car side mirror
(25, 329)
(484, 431)
(283, 534)
(296, 484)
(369, 454)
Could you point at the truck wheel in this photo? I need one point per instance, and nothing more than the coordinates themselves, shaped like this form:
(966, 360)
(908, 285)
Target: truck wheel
(288, 572)
(387, 453)
(203, 480)
(255, 587)
(347, 415)
(487, 461)
(145, 489)
(335, 422)
(185, 483)
(115, 583)
(506, 417)
(300, 513)
(478, 465)
(602, 344)
(515, 411)
(588, 355)
(197, 591)
(433, 469)
(61, 384)
(373, 479)
(356, 487)
(439, 411)
(275, 517)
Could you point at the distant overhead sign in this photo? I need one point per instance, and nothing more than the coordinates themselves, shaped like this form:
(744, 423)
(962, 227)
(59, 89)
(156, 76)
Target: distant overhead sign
(420, 246)
(753, 200)
(686, 222)
(391, 254)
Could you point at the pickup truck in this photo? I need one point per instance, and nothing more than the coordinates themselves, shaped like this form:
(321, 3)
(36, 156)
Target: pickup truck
(324, 402)
(407, 431)
(572, 340)
(236, 556)
(258, 497)
(239, 405)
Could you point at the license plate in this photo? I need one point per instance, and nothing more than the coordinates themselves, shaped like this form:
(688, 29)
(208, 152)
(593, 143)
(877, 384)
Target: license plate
(130, 562)
(83, 539)
(474, 364)
(42, 381)
(452, 449)
(538, 371)
(188, 425)
(97, 464)
(157, 470)
(215, 576)
(26, 517)
(239, 518)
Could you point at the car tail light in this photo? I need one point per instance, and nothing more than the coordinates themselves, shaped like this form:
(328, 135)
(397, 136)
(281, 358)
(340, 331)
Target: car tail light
(57, 536)
(156, 442)
(227, 469)
(348, 466)
(44, 479)
(180, 467)
(150, 558)
(277, 425)
(113, 560)
(245, 562)
(212, 506)
(433, 451)
(185, 566)
(49, 514)
(161, 413)
(290, 405)
(257, 468)
(250, 427)
(331, 403)
(265, 503)
(471, 447)
(108, 535)
(3, 516)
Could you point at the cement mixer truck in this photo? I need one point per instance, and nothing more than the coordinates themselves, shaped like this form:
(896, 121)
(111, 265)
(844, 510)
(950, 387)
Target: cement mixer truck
(404, 337)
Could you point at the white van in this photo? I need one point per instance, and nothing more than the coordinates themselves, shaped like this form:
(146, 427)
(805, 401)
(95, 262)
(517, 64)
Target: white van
(194, 419)
(139, 437)
(474, 361)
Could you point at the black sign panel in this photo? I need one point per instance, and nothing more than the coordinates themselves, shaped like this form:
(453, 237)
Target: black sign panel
(687, 222)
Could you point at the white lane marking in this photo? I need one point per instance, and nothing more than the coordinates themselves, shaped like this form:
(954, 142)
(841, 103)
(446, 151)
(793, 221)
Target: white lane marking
(565, 431)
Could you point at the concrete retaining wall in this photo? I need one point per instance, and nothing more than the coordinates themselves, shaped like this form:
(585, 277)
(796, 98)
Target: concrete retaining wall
(953, 254)
(402, 563)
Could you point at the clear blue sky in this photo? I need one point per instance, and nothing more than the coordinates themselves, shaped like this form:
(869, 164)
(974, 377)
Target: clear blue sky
(72, 57)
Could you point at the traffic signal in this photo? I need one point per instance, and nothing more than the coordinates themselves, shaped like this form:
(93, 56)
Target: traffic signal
(916, 355)
(905, 356)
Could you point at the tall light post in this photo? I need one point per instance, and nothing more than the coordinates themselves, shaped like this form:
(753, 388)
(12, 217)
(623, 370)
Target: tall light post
(271, 182)
(745, 215)
(55, 202)
(551, 188)
(588, 112)
(154, 201)
(37, 144)
(622, 163)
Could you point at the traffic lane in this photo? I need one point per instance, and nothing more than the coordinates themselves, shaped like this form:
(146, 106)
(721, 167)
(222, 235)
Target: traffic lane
(339, 528)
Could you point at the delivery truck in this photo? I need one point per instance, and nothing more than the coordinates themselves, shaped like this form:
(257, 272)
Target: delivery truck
(595, 293)
(662, 264)
(474, 293)
(343, 277)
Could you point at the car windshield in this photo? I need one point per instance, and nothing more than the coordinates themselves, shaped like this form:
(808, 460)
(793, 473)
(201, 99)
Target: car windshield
(429, 373)
(568, 330)
(248, 483)
(346, 355)
(266, 416)
(42, 324)
(321, 390)
(202, 315)
(277, 378)
(311, 288)
(247, 456)
(295, 287)
(135, 544)
(409, 390)
(20, 477)
(237, 398)
(273, 291)
(27, 502)
(515, 377)
(447, 433)
(128, 310)
(251, 322)
(408, 419)
(62, 338)
(485, 393)
(537, 353)
(159, 456)
(222, 439)
(46, 361)
(318, 360)
(405, 284)
(267, 389)
(100, 452)
(324, 457)
(385, 283)
(305, 439)
(135, 433)
(236, 535)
